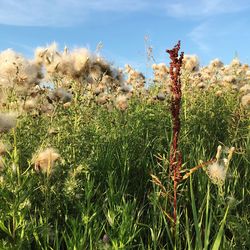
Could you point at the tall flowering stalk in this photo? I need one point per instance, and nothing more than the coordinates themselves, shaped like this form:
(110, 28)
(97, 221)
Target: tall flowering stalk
(215, 168)
(175, 154)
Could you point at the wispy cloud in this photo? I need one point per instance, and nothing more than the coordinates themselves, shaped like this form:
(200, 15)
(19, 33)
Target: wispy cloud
(28, 50)
(199, 36)
(204, 8)
(61, 12)
(119, 5)
(209, 35)
(70, 12)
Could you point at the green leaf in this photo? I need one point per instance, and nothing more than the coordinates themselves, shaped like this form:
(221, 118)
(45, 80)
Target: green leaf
(196, 224)
(218, 239)
(4, 228)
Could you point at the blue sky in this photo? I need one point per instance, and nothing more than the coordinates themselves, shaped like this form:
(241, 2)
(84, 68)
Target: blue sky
(207, 28)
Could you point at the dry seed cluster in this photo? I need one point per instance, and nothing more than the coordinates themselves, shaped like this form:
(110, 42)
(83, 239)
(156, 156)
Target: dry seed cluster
(97, 80)
(79, 71)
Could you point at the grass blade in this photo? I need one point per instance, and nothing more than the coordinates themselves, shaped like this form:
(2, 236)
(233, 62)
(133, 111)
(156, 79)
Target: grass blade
(218, 239)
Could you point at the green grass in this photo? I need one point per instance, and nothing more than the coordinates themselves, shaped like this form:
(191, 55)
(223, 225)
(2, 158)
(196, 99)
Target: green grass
(102, 184)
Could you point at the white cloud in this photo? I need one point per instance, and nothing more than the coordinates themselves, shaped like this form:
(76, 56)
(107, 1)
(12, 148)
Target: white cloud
(70, 12)
(199, 36)
(38, 12)
(119, 5)
(61, 12)
(204, 8)
(208, 34)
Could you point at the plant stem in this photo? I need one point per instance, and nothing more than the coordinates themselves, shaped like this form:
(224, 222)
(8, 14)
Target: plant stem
(175, 154)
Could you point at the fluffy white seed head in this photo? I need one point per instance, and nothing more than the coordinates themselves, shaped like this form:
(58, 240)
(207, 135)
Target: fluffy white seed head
(235, 63)
(229, 78)
(45, 160)
(62, 95)
(15, 69)
(126, 88)
(135, 78)
(4, 148)
(121, 102)
(245, 100)
(245, 88)
(30, 104)
(217, 173)
(80, 58)
(161, 72)
(191, 63)
(102, 99)
(7, 121)
(216, 63)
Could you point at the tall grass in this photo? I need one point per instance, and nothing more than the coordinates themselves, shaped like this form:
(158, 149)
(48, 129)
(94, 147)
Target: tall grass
(100, 194)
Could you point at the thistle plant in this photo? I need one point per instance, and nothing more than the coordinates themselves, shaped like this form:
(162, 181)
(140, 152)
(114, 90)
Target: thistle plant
(90, 188)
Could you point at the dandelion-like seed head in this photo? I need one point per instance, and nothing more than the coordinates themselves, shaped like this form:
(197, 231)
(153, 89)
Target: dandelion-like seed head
(15, 69)
(80, 58)
(102, 99)
(45, 160)
(161, 96)
(95, 72)
(201, 85)
(219, 93)
(4, 148)
(126, 88)
(217, 173)
(235, 63)
(135, 78)
(229, 79)
(30, 104)
(245, 89)
(121, 102)
(39, 55)
(7, 121)
(191, 63)
(161, 72)
(106, 80)
(98, 89)
(61, 95)
(216, 63)
(245, 100)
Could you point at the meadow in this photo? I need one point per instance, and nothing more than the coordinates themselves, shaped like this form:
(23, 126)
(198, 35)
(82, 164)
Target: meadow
(85, 154)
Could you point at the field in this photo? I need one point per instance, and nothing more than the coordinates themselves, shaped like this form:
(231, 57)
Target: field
(85, 149)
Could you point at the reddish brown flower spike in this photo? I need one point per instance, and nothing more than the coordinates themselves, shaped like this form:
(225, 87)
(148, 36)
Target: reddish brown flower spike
(175, 155)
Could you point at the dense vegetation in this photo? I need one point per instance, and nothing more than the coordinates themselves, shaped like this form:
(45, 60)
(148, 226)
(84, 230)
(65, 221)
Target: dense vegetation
(95, 191)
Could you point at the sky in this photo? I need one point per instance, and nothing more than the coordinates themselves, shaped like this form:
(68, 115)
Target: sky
(124, 29)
